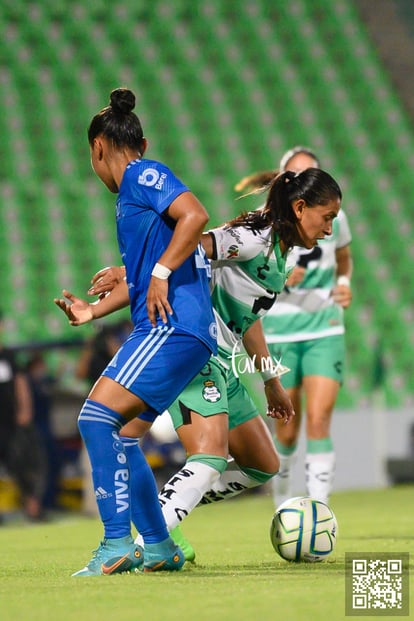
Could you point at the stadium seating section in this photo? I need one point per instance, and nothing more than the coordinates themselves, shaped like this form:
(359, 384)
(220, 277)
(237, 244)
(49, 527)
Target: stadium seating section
(223, 88)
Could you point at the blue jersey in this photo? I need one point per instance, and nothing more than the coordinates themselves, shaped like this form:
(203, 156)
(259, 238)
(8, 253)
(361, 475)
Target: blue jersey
(144, 231)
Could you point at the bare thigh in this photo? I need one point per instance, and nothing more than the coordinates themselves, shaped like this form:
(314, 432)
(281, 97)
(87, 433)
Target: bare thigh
(251, 445)
(117, 398)
(208, 435)
(135, 428)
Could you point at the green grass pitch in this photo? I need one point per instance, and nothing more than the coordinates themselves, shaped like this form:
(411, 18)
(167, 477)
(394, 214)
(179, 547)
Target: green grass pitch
(237, 575)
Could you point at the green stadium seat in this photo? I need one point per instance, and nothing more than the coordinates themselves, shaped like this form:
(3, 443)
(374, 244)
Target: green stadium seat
(222, 91)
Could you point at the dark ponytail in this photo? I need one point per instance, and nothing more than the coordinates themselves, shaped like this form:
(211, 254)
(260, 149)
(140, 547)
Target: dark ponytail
(313, 185)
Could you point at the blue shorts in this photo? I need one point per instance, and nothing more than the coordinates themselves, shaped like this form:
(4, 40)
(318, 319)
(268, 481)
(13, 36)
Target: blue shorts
(155, 364)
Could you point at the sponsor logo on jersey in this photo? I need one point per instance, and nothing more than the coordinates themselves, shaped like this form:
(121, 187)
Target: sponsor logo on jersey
(212, 330)
(151, 177)
(235, 232)
(233, 251)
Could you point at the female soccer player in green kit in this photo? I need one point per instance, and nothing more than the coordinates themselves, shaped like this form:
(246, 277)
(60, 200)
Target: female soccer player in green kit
(249, 268)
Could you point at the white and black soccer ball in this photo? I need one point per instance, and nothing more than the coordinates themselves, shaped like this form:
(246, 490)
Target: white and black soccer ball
(304, 529)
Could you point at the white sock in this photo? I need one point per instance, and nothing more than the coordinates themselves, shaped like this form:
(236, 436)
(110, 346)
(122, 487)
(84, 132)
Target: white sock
(282, 481)
(320, 471)
(184, 491)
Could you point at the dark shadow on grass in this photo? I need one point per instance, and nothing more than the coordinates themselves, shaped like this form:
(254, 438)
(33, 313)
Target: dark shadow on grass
(379, 537)
(265, 570)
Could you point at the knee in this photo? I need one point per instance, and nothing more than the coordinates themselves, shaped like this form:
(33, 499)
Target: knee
(135, 428)
(274, 466)
(260, 476)
(93, 417)
(318, 428)
(266, 468)
(271, 464)
(287, 434)
(213, 464)
(83, 421)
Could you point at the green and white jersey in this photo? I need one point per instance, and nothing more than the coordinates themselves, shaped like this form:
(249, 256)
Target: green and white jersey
(247, 274)
(307, 311)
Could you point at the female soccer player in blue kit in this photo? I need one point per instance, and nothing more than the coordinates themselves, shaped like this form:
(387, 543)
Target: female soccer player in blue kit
(249, 267)
(159, 223)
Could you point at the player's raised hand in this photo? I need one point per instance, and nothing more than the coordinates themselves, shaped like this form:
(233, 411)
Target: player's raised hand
(78, 311)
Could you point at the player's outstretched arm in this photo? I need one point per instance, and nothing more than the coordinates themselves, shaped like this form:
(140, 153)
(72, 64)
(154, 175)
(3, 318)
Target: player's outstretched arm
(190, 219)
(80, 311)
(279, 404)
(342, 292)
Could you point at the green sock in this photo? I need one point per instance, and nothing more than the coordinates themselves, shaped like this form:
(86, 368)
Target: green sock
(324, 445)
(282, 449)
(218, 463)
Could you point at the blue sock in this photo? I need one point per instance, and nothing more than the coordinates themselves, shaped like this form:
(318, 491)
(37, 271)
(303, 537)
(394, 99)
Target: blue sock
(99, 427)
(146, 512)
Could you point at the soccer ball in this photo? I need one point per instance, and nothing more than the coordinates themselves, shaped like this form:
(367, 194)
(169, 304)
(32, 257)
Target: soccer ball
(304, 529)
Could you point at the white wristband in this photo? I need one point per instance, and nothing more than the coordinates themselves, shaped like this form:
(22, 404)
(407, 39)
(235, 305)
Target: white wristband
(343, 280)
(160, 271)
(268, 374)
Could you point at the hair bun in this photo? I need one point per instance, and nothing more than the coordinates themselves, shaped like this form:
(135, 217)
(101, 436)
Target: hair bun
(122, 100)
(289, 175)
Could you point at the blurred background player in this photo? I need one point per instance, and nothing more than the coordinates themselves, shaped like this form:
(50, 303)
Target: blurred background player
(305, 329)
(42, 384)
(20, 448)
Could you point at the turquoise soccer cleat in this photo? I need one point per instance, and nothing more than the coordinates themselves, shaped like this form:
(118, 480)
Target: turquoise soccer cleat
(114, 556)
(165, 556)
